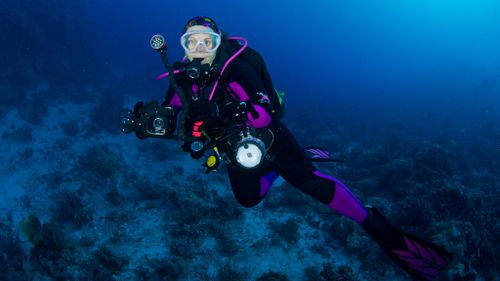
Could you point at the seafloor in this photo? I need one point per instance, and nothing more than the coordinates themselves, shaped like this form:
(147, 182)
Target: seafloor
(80, 201)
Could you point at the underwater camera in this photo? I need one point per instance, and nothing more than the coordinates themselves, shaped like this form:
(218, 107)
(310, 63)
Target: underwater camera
(148, 120)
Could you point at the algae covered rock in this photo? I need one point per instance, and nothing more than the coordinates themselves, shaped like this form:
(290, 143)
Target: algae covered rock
(29, 227)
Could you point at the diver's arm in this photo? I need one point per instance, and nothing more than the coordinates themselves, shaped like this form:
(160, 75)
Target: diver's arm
(173, 101)
(247, 86)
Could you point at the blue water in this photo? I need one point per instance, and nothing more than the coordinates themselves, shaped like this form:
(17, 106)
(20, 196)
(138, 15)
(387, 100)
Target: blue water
(379, 82)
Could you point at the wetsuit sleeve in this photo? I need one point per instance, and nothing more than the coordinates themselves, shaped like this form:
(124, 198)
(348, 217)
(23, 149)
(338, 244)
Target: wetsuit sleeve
(246, 85)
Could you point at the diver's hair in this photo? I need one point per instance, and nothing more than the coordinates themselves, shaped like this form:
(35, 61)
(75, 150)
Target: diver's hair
(202, 20)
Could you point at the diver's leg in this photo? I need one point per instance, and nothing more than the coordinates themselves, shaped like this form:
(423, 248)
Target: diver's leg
(297, 169)
(249, 186)
(420, 258)
(343, 200)
(266, 181)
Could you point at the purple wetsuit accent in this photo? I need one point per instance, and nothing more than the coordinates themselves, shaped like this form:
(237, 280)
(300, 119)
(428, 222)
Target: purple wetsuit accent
(195, 88)
(264, 118)
(266, 182)
(239, 91)
(262, 121)
(175, 102)
(166, 74)
(344, 201)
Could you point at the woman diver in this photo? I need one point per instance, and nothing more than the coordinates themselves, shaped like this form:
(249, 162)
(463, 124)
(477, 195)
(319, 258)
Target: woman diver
(221, 101)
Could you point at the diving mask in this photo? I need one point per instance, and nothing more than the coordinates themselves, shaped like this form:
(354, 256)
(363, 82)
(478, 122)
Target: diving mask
(203, 41)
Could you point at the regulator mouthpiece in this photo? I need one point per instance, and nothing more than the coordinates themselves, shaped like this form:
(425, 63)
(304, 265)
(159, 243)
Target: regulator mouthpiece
(158, 42)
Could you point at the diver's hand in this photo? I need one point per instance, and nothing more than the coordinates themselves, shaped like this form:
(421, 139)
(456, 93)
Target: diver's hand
(242, 110)
(240, 114)
(202, 110)
(138, 111)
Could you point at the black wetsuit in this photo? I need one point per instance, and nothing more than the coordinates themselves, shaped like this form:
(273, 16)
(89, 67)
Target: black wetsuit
(243, 82)
(286, 158)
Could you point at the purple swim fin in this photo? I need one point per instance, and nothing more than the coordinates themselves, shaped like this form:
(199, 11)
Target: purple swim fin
(318, 154)
(422, 259)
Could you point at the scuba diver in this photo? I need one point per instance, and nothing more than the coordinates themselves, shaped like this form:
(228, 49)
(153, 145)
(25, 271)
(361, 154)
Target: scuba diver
(222, 104)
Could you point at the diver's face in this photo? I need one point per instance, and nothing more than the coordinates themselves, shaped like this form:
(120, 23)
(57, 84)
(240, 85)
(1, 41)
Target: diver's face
(200, 42)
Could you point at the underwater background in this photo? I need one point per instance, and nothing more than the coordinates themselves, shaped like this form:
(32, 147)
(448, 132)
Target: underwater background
(408, 92)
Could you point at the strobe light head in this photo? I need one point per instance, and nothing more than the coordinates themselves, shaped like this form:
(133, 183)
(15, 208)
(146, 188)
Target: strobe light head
(158, 42)
(250, 152)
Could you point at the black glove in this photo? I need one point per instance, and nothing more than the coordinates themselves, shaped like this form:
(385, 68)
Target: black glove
(242, 110)
(138, 111)
(202, 110)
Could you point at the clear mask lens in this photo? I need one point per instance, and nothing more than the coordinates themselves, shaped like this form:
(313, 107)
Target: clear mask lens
(200, 41)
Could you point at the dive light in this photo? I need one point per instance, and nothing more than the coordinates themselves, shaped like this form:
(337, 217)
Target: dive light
(250, 151)
(158, 42)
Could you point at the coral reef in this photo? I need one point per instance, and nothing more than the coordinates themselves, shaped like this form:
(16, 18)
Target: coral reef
(30, 227)
(99, 163)
(432, 165)
(287, 231)
(104, 257)
(342, 273)
(228, 273)
(69, 208)
(160, 269)
(273, 276)
(22, 134)
(12, 257)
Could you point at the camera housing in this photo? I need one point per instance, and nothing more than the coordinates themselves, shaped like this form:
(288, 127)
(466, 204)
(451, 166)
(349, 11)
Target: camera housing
(148, 120)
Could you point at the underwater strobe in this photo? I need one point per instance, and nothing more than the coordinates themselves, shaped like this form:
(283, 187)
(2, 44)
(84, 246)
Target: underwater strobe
(158, 42)
(127, 121)
(250, 151)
